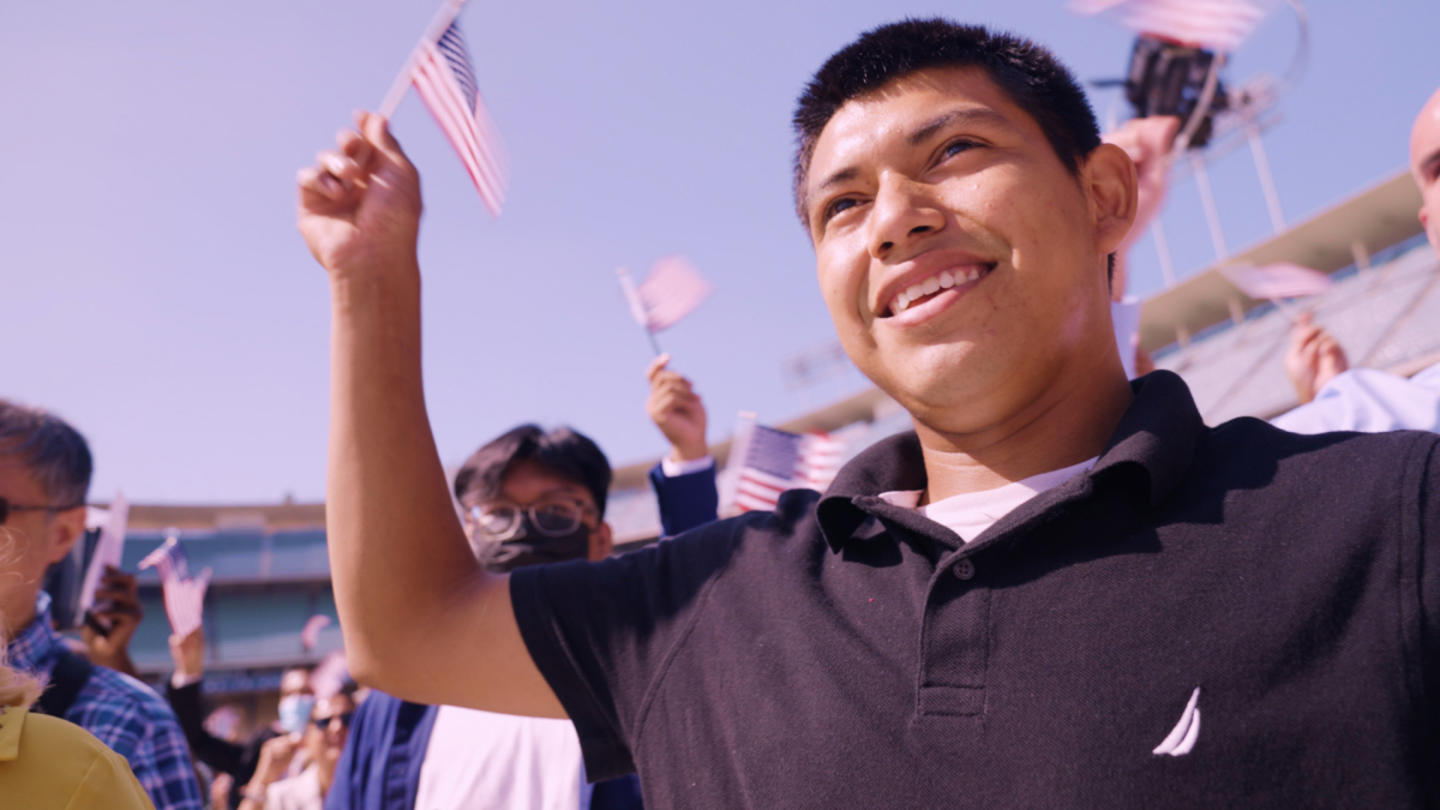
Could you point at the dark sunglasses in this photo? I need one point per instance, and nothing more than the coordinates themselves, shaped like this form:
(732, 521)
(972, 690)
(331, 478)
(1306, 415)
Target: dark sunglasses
(6, 507)
(323, 723)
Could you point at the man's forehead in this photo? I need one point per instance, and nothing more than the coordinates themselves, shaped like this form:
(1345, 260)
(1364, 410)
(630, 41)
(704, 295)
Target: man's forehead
(933, 93)
(1425, 135)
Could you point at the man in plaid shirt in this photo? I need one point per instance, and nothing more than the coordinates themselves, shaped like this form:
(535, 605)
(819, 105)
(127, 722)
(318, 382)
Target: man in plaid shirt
(44, 476)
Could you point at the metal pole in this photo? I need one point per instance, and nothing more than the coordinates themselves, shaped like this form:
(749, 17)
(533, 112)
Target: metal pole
(1162, 247)
(1267, 181)
(1212, 214)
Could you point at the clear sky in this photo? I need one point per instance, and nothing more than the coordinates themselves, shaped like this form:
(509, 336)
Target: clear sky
(154, 291)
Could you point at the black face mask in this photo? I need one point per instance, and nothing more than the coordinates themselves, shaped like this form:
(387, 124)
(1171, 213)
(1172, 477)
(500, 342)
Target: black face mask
(530, 547)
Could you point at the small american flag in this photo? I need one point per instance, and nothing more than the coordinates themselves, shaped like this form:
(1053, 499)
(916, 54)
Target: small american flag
(1219, 25)
(770, 461)
(446, 81)
(310, 635)
(1275, 281)
(184, 595)
(673, 290)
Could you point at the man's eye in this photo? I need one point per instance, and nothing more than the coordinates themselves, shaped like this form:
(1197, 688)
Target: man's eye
(957, 146)
(836, 207)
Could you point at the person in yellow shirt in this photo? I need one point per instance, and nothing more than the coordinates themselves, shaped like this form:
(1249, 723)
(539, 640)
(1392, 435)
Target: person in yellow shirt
(46, 762)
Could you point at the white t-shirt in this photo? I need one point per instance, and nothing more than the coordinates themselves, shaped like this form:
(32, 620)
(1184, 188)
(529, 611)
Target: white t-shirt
(477, 760)
(970, 513)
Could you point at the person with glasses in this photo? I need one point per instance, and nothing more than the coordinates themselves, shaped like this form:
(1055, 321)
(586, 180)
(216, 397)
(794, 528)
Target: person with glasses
(322, 742)
(45, 467)
(528, 497)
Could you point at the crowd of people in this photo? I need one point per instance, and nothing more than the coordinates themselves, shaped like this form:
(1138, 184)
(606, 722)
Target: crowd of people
(1009, 605)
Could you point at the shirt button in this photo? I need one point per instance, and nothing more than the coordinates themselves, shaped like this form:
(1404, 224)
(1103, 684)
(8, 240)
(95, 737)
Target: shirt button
(963, 569)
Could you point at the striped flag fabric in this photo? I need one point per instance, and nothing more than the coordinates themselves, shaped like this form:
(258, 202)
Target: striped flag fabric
(673, 290)
(1275, 281)
(1218, 25)
(444, 78)
(183, 594)
(767, 461)
(310, 634)
(108, 549)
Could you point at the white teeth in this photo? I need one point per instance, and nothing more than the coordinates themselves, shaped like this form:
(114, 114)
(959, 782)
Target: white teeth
(915, 292)
(974, 274)
(942, 281)
(947, 280)
(901, 304)
(932, 285)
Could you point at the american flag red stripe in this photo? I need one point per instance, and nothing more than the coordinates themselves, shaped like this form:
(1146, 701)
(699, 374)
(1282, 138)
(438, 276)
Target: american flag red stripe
(1278, 280)
(1215, 24)
(445, 80)
(774, 461)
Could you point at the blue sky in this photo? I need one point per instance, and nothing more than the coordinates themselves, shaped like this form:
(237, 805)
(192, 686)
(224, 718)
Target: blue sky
(153, 289)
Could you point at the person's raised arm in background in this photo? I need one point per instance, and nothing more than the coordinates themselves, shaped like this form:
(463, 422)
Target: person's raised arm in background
(684, 480)
(421, 617)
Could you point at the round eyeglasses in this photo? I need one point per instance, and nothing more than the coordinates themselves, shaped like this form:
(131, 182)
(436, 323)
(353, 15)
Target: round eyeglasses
(502, 520)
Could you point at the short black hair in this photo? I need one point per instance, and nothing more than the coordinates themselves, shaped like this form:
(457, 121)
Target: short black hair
(562, 451)
(1027, 73)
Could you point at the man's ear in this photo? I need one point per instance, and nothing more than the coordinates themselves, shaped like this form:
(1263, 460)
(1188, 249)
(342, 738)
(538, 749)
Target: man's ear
(65, 528)
(602, 542)
(1110, 180)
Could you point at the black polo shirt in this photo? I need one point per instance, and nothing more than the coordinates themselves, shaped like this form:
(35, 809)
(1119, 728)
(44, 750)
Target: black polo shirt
(1210, 617)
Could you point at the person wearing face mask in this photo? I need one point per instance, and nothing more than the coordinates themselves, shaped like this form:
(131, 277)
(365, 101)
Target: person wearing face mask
(529, 497)
(326, 730)
(239, 760)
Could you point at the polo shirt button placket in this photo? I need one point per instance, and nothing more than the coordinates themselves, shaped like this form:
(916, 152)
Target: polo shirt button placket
(963, 569)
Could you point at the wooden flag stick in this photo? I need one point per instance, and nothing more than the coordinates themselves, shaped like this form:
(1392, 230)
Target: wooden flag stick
(442, 19)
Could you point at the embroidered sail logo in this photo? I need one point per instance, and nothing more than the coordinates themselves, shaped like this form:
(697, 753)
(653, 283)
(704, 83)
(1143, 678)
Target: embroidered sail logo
(1182, 738)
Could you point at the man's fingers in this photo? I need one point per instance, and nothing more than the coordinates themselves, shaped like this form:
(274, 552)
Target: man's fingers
(353, 145)
(319, 185)
(656, 366)
(341, 167)
(376, 130)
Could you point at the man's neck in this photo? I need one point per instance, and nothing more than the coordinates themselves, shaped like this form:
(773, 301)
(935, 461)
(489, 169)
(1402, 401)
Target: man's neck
(1064, 426)
(15, 617)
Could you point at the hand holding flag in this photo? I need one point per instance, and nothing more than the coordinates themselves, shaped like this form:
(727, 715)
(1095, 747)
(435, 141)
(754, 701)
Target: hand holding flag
(184, 595)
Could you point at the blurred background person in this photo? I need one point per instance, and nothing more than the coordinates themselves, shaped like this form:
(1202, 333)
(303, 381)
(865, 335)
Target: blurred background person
(45, 468)
(236, 760)
(322, 742)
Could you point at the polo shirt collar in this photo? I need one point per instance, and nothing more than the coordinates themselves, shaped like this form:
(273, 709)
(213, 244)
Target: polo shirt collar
(1158, 436)
(35, 648)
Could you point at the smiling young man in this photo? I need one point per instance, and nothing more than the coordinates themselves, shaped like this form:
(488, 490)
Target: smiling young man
(1031, 600)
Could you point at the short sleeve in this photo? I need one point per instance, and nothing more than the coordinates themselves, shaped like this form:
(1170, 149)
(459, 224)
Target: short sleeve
(602, 633)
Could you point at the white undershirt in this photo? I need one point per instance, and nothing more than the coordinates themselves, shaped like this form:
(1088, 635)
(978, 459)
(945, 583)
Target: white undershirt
(479, 760)
(969, 514)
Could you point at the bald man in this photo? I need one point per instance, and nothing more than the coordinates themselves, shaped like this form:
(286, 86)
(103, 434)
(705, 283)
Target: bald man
(1425, 166)
(1369, 399)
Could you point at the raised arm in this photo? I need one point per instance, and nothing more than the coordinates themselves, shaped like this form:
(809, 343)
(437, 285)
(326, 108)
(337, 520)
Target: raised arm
(421, 619)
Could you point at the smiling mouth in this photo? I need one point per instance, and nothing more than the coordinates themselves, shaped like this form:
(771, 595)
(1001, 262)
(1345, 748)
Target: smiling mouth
(962, 277)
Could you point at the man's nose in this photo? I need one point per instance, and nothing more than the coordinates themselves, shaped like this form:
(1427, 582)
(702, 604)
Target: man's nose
(903, 211)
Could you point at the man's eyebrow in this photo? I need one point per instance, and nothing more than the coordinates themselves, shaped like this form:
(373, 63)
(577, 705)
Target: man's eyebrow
(966, 115)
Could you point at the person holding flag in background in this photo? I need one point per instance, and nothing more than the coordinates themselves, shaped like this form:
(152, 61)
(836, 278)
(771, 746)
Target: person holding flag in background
(45, 468)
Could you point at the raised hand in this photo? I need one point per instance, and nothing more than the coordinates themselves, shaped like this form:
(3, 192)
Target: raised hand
(117, 606)
(359, 205)
(1313, 358)
(676, 409)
